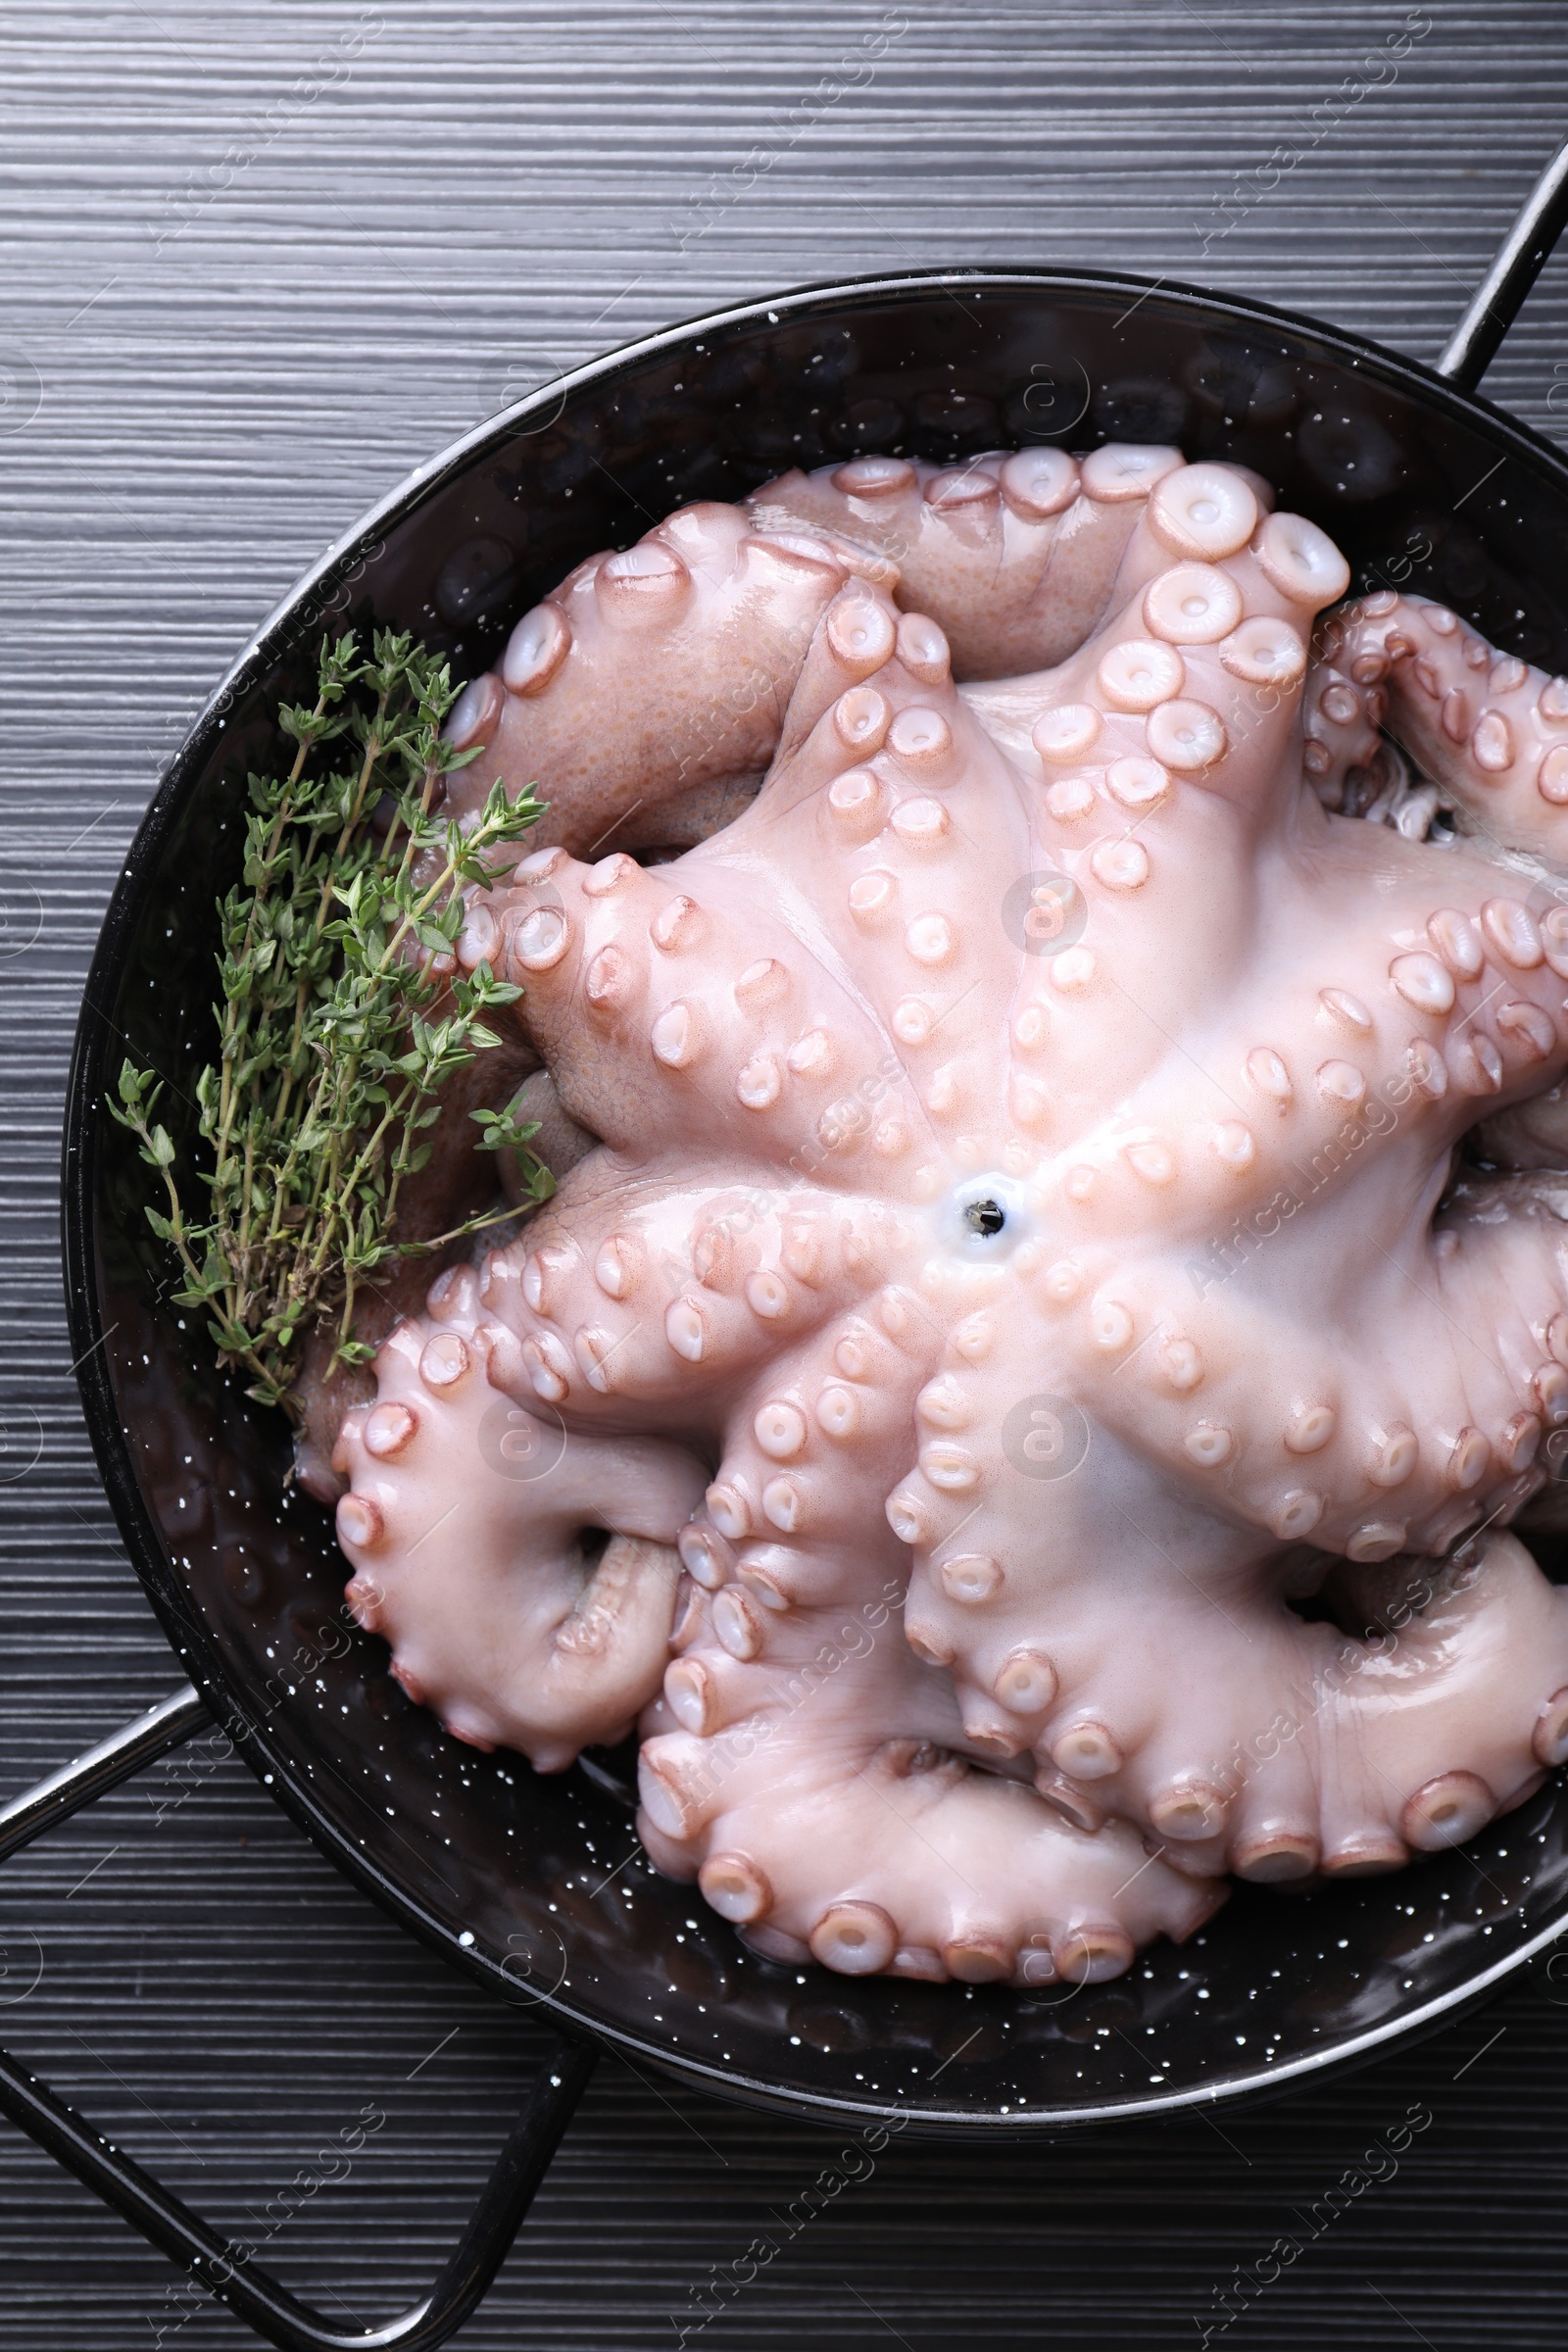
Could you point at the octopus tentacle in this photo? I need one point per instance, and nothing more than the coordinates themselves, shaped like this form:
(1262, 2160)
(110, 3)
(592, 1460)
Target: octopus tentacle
(465, 1526)
(1054, 1661)
(650, 1317)
(1200, 669)
(880, 864)
(1450, 1718)
(1017, 558)
(1291, 1752)
(1532, 1134)
(824, 1815)
(1491, 730)
(1394, 1019)
(654, 1002)
(618, 695)
(1342, 729)
(831, 1415)
(856, 637)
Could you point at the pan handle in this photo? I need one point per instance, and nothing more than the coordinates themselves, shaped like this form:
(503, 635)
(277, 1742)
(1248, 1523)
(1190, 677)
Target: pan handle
(176, 1719)
(1495, 305)
(224, 2266)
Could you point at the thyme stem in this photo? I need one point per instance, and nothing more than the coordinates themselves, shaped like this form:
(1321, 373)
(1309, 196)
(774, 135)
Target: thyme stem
(339, 1021)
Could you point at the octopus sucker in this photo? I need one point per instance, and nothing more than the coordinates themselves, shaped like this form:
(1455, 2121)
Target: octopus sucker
(1057, 1291)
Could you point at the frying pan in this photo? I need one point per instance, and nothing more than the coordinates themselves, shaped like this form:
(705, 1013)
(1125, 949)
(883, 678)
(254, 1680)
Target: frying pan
(535, 1884)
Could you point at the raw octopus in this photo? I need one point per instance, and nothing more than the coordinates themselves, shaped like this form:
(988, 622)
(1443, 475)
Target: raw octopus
(1058, 1284)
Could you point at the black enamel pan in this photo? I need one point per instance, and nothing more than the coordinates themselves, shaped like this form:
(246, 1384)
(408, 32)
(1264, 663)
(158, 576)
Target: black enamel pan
(1424, 485)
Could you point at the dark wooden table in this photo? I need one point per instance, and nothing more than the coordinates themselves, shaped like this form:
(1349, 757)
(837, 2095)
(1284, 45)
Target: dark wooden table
(257, 264)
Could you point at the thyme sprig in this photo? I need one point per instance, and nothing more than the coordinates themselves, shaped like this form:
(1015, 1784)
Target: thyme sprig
(341, 1017)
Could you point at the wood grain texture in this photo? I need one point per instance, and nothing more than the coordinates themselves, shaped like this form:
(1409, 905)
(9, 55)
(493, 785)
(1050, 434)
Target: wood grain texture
(257, 263)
